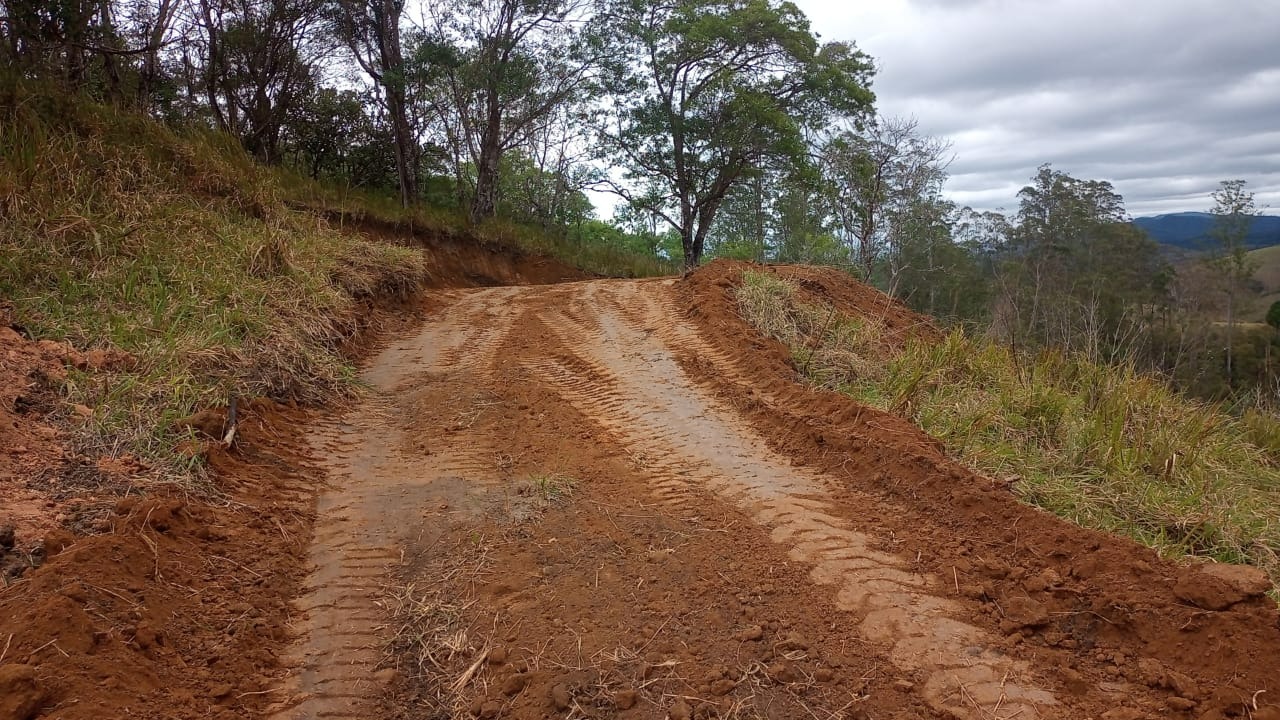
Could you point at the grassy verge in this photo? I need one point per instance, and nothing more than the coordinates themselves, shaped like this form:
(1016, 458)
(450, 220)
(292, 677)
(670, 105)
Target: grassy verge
(175, 247)
(1102, 446)
(594, 257)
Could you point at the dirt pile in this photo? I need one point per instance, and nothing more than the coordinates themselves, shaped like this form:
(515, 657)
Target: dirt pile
(45, 485)
(461, 259)
(1206, 638)
(176, 608)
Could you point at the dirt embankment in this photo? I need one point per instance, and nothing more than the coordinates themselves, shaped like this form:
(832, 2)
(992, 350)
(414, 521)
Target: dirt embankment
(1204, 635)
(120, 603)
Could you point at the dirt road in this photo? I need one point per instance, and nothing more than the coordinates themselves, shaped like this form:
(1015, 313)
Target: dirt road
(579, 501)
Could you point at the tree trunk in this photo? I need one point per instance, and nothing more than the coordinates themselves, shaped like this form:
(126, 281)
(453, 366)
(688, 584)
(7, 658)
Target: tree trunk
(406, 165)
(1231, 327)
(485, 204)
(692, 255)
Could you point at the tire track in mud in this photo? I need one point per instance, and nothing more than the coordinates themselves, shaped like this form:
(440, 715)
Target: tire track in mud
(378, 489)
(620, 372)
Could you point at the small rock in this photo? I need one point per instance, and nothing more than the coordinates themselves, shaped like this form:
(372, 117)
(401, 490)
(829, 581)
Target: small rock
(209, 423)
(782, 672)
(514, 684)
(722, 687)
(56, 541)
(624, 699)
(680, 711)
(21, 697)
(1022, 612)
(824, 675)
(110, 360)
(1218, 586)
(560, 696)
(1034, 584)
(497, 656)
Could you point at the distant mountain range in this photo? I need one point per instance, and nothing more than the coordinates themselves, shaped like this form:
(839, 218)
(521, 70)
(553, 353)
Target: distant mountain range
(1190, 230)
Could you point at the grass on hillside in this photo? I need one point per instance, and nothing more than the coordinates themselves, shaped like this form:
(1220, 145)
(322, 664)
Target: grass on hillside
(1103, 446)
(176, 247)
(597, 258)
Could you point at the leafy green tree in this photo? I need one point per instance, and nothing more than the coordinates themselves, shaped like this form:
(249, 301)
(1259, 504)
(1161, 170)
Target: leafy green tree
(942, 272)
(371, 31)
(1273, 316)
(1233, 211)
(705, 92)
(258, 62)
(324, 128)
(535, 196)
(513, 65)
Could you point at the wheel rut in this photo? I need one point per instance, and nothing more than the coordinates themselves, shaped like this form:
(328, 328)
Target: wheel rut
(505, 387)
(379, 493)
(623, 374)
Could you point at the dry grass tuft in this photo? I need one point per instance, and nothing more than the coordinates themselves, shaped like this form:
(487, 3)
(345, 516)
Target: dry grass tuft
(176, 247)
(1103, 446)
(435, 645)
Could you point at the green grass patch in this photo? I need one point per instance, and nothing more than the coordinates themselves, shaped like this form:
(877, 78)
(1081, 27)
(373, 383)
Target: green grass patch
(1102, 446)
(176, 247)
(599, 258)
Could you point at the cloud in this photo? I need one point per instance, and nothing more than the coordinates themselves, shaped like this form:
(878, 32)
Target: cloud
(1164, 98)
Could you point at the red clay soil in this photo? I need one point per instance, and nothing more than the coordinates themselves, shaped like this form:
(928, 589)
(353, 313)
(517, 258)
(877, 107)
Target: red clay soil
(1206, 635)
(178, 608)
(591, 500)
(164, 606)
(611, 499)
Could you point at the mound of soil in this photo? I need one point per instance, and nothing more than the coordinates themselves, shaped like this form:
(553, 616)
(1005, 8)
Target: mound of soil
(44, 486)
(178, 609)
(1207, 636)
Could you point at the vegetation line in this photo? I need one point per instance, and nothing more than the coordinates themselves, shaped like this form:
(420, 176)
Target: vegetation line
(1100, 445)
(176, 248)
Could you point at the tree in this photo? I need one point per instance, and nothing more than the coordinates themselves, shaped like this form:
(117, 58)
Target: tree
(1273, 316)
(258, 66)
(880, 176)
(704, 92)
(1076, 274)
(1233, 211)
(514, 64)
(943, 263)
(371, 30)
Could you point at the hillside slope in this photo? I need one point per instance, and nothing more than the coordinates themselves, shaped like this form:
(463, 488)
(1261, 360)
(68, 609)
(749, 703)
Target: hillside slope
(1190, 230)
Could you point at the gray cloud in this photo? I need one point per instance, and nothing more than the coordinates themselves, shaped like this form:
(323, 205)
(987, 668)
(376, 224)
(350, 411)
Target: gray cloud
(1164, 98)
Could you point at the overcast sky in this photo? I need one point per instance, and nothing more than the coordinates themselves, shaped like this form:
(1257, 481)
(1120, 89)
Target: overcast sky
(1164, 98)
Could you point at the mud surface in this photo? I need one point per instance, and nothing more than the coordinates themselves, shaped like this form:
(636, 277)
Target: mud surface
(613, 499)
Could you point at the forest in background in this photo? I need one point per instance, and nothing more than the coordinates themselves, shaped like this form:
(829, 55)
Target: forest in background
(723, 127)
